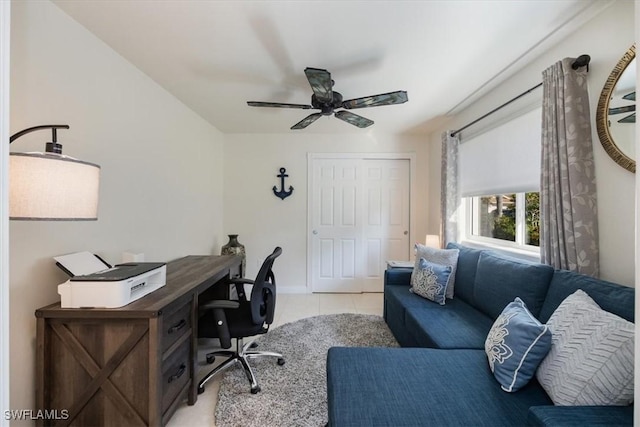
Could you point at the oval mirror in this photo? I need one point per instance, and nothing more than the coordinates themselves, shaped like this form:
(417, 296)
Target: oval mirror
(616, 112)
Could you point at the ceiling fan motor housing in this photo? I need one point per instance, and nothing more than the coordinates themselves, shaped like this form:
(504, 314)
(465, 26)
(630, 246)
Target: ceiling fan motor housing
(327, 107)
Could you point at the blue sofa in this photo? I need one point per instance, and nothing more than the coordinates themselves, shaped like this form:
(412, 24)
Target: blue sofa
(441, 375)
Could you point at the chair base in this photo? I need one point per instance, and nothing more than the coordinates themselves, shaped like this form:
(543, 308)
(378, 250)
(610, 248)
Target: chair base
(242, 356)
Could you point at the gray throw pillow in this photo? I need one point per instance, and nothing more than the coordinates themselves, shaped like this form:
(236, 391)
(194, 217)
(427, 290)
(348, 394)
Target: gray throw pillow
(446, 257)
(591, 358)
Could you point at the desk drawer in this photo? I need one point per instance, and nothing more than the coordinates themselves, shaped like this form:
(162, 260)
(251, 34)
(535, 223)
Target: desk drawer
(176, 372)
(175, 324)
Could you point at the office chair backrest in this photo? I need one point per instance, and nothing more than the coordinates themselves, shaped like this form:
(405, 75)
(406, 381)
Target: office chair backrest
(263, 294)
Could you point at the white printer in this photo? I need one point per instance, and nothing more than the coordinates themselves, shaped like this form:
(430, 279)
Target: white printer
(113, 287)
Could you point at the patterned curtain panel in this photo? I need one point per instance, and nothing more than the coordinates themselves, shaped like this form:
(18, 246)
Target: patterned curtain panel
(450, 190)
(568, 208)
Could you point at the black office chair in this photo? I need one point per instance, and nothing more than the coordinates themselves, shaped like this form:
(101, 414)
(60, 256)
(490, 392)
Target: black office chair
(226, 319)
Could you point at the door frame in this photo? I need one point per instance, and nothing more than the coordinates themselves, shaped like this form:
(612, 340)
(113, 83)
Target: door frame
(361, 156)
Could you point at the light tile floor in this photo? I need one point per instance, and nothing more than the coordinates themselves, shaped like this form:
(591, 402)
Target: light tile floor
(289, 308)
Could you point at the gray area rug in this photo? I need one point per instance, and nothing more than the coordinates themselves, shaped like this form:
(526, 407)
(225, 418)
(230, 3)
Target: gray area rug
(295, 394)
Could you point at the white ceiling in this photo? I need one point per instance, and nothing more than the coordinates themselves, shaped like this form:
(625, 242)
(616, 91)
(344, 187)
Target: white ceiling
(216, 55)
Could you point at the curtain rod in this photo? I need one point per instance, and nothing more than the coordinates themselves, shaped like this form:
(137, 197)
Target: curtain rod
(581, 61)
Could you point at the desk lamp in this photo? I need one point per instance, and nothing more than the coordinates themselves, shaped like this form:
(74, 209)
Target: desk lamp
(51, 186)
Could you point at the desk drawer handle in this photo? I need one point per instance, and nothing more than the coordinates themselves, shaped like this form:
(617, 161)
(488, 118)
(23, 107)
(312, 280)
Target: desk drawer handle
(181, 324)
(178, 374)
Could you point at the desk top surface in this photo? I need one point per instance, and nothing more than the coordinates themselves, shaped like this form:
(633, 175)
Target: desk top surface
(184, 275)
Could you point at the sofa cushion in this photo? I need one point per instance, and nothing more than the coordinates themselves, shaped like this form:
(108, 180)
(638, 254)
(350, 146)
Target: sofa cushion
(465, 271)
(396, 300)
(591, 357)
(455, 325)
(580, 416)
(429, 280)
(448, 257)
(611, 297)
(515, 346)
(499, 280)
(420, 386)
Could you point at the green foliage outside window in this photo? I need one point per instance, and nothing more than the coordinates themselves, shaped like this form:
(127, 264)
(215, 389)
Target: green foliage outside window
(504, 225)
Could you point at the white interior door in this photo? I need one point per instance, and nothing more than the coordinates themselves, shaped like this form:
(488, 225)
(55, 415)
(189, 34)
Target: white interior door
(359, 218)
(385, 219)
(336, 236)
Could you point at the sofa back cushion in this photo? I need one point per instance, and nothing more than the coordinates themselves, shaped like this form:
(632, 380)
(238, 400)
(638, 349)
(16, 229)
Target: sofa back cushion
(465, 271)
(499, 280)
(611, 297)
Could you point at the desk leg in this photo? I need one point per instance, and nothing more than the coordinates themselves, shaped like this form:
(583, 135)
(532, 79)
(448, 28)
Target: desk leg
(192, 396)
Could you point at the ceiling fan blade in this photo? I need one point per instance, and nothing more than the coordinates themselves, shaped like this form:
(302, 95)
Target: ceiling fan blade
(630, 96)
(624, 109)
(631, 118)
(278, 105)
(321, 83)
(390, 98)
(307, 121)
(354, 119)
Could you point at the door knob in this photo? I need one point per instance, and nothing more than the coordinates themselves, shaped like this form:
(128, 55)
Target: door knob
(406, 232)
(315, 231)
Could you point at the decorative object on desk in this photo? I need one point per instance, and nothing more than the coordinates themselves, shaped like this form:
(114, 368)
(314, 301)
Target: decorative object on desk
(282, 193)
(432, 240)
(295, 394)
(51, 186)
(233, 247)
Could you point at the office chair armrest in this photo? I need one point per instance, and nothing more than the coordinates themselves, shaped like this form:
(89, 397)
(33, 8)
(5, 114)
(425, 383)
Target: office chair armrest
(239, 284)
(242, 280)
(219, 304)
(217, 308)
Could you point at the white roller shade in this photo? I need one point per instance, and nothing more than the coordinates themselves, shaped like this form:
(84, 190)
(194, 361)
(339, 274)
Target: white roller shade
(505, 159)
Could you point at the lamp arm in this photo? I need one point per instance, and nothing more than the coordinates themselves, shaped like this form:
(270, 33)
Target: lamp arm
(32, 129)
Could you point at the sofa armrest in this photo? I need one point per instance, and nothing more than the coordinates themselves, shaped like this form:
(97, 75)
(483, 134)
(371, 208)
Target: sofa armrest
(398, 276)
(580, 416)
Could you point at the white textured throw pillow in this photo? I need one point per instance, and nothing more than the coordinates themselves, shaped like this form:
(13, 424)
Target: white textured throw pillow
(447, 257)
(591, 356)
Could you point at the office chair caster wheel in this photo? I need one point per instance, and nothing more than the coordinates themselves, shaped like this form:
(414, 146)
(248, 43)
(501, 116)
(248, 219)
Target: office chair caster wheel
(253, 345)
(281, 361)
(200, 389)
(255, 390)
(210, 359)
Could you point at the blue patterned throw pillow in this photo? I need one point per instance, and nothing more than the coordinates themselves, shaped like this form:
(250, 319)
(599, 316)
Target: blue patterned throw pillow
(442, 257)
(515, 346)
(429, 280)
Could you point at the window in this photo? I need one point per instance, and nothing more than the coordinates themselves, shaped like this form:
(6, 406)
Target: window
(505, 219)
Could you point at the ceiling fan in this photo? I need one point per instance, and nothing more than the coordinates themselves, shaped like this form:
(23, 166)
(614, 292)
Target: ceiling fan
(326, 100)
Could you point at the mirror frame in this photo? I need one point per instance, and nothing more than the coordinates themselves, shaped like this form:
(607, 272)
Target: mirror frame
(602, 120)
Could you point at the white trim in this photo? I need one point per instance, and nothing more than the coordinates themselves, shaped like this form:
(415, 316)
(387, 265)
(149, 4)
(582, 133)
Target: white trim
(636, 407)
(5, 21)
(413, 193)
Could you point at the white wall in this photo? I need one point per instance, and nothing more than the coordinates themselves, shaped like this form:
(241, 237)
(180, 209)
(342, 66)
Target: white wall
(605, 38)
(5, 21)
(161, 180)
(263, 221)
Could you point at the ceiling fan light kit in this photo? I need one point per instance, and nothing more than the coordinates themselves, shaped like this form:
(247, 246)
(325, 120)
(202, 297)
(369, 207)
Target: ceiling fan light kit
(326, 100)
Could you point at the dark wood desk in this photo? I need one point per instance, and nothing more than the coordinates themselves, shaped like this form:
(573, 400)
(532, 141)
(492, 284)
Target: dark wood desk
(132, 365)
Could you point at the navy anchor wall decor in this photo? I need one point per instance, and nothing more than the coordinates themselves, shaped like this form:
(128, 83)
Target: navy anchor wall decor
(282, 193)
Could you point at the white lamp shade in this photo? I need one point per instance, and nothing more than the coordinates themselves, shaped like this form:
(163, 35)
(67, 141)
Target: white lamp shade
(432, 240)
(52, 187)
